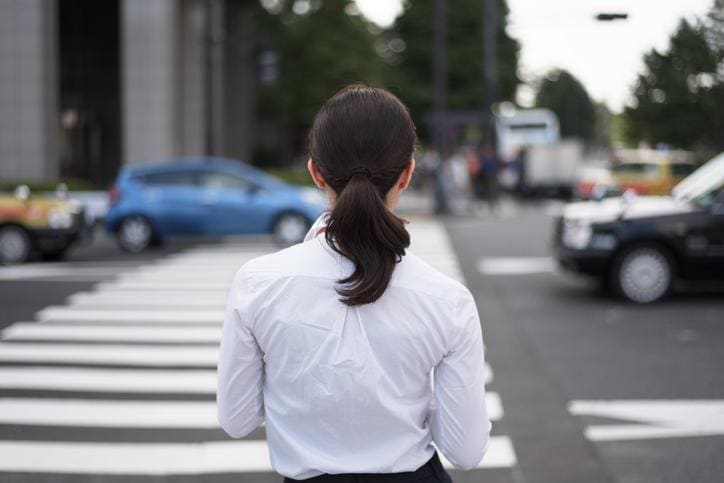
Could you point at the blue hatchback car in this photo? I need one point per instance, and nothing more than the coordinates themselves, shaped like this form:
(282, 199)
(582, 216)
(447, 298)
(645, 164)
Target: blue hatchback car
(206, 196)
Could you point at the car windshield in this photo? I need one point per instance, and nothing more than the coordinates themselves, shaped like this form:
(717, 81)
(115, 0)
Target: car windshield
(704, 184)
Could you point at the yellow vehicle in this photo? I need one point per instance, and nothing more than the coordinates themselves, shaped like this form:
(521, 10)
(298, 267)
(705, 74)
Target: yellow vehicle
(28, 224)
(652, 177)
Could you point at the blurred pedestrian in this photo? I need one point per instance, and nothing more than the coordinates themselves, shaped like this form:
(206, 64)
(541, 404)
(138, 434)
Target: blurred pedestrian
(489, 175)
(332, 342)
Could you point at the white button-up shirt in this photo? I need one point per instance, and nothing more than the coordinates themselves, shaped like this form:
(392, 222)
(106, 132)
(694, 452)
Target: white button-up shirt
(363, 389)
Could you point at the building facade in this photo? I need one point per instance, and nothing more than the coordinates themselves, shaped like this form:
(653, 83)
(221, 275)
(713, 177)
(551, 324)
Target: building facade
(86, 86)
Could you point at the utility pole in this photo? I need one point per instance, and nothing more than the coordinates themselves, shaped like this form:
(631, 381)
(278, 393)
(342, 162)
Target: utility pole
(209, 37)
(440, 101)
(490, 68)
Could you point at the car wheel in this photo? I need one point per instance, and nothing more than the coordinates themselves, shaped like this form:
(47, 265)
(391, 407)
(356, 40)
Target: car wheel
(290, 228)
(135, 234)
(643, 274)
(15, 245)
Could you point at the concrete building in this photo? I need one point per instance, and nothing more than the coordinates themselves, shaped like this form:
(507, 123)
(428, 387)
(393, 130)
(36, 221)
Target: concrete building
(88, 85)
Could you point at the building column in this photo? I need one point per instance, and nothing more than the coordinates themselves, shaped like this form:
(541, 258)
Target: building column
(28, 90)
(149, 82)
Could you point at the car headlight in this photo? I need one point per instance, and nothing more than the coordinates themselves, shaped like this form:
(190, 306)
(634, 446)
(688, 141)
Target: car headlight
(314, 197)
(576, 234)
(58, 219)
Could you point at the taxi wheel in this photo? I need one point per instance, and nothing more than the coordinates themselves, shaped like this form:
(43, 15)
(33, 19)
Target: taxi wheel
(290, 228)
(135, 234)
(643, 273)
(15, 244)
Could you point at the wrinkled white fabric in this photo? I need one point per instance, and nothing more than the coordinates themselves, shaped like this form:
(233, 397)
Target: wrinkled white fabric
(349, 389)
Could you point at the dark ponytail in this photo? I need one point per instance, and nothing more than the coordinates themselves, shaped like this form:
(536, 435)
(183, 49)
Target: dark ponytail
(361, 141)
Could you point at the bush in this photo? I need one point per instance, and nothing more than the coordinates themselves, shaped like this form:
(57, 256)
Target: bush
(295, 176)
(73, 184)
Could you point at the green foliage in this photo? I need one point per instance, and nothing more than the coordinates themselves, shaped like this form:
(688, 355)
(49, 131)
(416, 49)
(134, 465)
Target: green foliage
(563, 94)
(602, 126)
(73, 184)
(409, 57)
(319, 52)
(678, 99)
(297, 176)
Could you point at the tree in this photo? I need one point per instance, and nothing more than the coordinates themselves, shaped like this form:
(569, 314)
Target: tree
(563, 94)
(408, 51)
(678, 97)
(321, 46)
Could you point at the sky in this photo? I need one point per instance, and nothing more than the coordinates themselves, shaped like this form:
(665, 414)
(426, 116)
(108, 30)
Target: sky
(605, 56)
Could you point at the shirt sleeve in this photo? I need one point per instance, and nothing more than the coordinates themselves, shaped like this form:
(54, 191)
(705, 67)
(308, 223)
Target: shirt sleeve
(239, 396)
(459, 421)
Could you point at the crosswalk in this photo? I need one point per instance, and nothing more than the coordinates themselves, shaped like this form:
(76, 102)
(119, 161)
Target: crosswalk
(83, 386)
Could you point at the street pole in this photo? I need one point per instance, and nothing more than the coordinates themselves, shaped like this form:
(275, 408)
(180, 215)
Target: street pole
(440, 100)
(490, 68)
(208, 46)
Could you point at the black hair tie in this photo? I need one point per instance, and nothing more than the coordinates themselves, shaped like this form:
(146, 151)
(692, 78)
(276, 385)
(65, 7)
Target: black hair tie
(360, 169)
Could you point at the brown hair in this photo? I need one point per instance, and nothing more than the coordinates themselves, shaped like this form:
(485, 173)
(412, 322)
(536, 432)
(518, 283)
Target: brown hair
(361, 141)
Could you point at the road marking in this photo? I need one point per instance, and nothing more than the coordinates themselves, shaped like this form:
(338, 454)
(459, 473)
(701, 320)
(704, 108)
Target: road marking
(516, 265)
(652, 418)
(112, 354)
(176, 294)
(91, 379)
(62, 313)
(170, 458)
(168, 299)
(150, 285)
(34, 272)
(131, 414)
(109, 414)
(53, 332)
(196, 276)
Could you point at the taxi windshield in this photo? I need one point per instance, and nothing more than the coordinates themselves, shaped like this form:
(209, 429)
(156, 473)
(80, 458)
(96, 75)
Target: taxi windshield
(704, 184)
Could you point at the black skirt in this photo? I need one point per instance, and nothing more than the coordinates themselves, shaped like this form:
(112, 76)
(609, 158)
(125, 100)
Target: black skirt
(430, 472)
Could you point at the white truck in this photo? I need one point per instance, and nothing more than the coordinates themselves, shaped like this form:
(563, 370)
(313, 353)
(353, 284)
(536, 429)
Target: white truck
(533, 157)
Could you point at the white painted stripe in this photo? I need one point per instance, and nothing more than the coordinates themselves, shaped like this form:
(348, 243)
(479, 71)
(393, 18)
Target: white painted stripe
(57, 313)
(119, 414)
(516, 266)
(112, 354)
(180, 275)
(189, 285)
(134, 458)
(32, 272)
(494, 405)
(169, 458)
(657, 418)
(627, 432)
(160, 298)
(147, 303)
(109, 414)
(109, 380)
(51, 332)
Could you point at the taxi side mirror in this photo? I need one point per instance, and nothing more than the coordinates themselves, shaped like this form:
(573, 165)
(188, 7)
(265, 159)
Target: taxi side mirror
(22, 193)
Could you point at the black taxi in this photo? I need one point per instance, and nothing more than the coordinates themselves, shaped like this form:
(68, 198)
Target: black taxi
(640, 245)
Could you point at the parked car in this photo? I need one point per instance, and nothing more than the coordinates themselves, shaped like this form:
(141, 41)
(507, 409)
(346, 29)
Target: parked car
(206, 196)
(42, 224)
(639, 245)
(653, 177)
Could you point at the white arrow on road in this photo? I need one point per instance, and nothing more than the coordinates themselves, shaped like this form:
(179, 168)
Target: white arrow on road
(678, 418)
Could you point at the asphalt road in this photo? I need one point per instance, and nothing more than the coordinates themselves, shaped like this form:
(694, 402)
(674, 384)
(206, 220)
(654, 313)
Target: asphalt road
(646, 384)
(591, 389)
